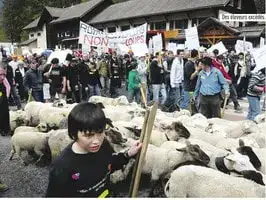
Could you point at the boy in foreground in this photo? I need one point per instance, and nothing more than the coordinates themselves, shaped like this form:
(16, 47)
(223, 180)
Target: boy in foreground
(83, 169)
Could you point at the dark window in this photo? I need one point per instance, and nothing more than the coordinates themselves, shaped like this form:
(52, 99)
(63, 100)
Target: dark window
(185, 23)
(39, 34)
(172, 25)
(111, 29)
(194, 22)
(100, 29)
(151, 26)
(124, 28)
(160, 25)
(135, 25)
(240, 24)
(32, 35)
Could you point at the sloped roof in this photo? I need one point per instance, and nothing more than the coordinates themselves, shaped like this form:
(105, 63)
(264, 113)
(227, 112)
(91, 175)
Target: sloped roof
(141, 8)
(55, 12)
(210, 20)
(251, 31)
(27, 42)
(77, 11)
(33, 24)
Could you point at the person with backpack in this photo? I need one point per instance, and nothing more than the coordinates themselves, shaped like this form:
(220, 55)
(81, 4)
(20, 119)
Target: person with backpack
(134, 83)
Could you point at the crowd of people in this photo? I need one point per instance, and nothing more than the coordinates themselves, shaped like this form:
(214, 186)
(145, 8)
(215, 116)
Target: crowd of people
(192, 80)
(198, 81)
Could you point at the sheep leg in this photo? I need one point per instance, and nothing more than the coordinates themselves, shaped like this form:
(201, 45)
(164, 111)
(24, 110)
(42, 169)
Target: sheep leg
(20, 158)
(154, 184)
(12, 153)
(40, 153)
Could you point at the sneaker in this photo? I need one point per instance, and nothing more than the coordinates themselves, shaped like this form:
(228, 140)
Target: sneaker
(3, 187)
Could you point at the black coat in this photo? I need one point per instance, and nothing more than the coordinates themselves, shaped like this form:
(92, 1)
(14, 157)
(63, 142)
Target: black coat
(18, 76)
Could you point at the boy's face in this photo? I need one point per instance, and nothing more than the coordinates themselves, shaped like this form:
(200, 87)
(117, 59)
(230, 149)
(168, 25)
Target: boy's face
(90, 142)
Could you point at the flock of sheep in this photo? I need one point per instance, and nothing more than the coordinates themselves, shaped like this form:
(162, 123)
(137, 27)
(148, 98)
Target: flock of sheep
(199, 157)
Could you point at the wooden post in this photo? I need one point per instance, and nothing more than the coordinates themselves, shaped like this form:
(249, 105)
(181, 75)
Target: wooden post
(143, 94)
(225, 100)
(144, 148)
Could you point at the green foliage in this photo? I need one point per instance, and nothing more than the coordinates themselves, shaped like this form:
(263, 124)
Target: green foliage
(19, 13)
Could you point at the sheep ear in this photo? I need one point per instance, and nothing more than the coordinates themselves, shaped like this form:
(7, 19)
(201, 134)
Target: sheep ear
(241, 143)
(231, 158)
(182, 149)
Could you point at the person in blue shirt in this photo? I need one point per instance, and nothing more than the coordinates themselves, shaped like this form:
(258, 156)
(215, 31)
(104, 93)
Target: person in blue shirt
(209, 86)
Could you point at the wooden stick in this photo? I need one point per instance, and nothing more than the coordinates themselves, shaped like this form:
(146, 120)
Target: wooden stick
(143, 131)
(144, 149)
(143, 94)
(225, 100)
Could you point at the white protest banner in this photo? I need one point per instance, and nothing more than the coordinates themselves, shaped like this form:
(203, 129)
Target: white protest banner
(140, 49)
(172, 47)
(243, 46)
(150, 46)
(262, 42)
(219, 46)
(46, 91)
(260, 58)
(91, 36)
(85, 49)
(60, 54)
(122, 49)
(192, 38)
(129, 37)
(157, 43)
(180, 46)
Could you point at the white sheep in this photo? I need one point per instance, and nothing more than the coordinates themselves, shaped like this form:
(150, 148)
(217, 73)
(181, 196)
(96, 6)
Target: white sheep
(17, 118)
(52, 116)
(29, 141)
(159, 161)
(227, 143)
(201, 182)
(260, 118)
(32, 109)
(58, 141)
(26, 129)
(233, 161)
(122, 100)
(261, 154)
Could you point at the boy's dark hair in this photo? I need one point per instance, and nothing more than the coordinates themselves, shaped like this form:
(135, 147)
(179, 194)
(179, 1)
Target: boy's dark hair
(194, 53)
(86, 117)
(55, 61)
(206, 61)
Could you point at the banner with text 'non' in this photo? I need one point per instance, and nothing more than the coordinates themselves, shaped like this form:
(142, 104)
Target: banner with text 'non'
(91, 36)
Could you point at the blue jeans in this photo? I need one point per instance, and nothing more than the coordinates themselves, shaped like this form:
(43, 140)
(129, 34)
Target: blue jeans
(186, 100)
(175, 96)
(253, 108)
(38, 96)
(134, 94)
(94, 90)
(156, 89)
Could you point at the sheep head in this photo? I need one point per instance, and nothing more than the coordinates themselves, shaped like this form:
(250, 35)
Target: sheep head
(248, 151)
(238, 162)
(114, 137)
(196, 153)
(176, 131)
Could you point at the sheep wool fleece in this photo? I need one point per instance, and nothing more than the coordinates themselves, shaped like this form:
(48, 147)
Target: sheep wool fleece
(84, 175)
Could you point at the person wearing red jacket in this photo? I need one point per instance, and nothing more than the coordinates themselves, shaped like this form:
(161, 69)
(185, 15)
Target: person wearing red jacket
(218, 63)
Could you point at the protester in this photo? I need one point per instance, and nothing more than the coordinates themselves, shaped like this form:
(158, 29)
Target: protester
(54, 74)
(255, 89)
(103, 71)
(84, 76)
(157, 79)
(209, 86)
(94, 79)
(134, 83)
(142, 70)
(115, 78)
(83, 169)
(4, 110)
(33, 82)
(242, 72)
(191, 71)
(167, 70)
(19, 75)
